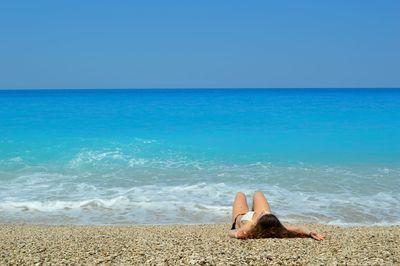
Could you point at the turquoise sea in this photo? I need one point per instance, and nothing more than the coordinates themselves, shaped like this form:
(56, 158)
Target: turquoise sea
(178, 156)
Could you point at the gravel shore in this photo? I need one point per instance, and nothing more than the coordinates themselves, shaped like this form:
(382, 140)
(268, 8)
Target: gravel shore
(22, 244)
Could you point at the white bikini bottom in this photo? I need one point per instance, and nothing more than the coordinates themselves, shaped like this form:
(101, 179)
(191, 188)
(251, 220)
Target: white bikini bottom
(247, 217)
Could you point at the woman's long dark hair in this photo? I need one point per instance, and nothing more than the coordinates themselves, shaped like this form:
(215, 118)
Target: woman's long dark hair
(269, 226)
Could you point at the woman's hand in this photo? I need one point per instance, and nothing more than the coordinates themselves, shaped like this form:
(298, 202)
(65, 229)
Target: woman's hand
(316, 236)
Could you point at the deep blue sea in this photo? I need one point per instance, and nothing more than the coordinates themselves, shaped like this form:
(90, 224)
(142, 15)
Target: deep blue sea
(178, 156)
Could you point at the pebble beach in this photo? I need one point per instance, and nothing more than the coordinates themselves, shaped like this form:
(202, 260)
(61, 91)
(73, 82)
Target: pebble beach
(26, 244)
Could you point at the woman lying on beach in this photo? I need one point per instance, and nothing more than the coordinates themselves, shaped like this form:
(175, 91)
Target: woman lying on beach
(260, 223)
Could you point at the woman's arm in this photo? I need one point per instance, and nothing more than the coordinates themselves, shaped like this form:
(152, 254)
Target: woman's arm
(305, 232)
(238, 233)
(232, 233)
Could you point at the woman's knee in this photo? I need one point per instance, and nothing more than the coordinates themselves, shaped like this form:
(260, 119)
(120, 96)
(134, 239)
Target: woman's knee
(258, 193)
(240, 194)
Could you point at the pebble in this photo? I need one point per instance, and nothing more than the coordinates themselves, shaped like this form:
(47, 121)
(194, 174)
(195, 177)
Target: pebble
(42, 245)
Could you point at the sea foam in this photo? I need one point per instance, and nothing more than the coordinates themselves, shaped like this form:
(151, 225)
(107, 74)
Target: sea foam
(297, 193)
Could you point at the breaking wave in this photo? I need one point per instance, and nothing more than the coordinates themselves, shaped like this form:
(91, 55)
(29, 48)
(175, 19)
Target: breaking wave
(114, 187)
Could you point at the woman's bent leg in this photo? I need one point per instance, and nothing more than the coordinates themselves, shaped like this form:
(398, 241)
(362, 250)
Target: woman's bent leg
(260, 203)
(239, 205)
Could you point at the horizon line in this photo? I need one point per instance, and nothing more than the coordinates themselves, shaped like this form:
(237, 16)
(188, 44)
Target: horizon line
(207, 88)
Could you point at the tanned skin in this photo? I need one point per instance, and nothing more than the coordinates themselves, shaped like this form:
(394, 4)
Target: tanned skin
(260, 207)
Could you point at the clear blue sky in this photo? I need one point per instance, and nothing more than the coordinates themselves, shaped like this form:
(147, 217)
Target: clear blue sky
(199, 44)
